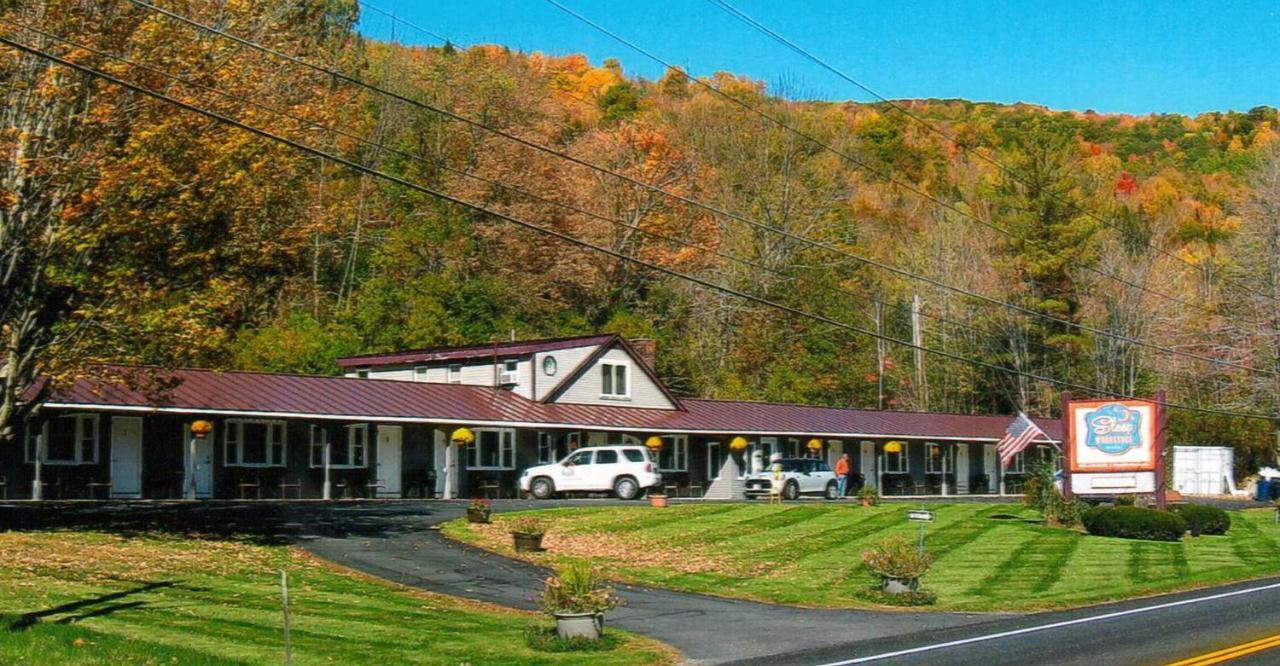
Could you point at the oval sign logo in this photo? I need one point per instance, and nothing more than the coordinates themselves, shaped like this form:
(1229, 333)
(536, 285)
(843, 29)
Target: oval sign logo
(1114, 429)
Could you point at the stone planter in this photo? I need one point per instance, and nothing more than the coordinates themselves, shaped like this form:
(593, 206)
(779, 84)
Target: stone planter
(579, 625)
(527, 543)
(477, 516)
(890, 585)
(658, 500)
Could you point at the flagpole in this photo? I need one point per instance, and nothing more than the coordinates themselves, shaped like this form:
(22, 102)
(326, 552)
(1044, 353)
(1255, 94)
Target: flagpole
(1065, 445)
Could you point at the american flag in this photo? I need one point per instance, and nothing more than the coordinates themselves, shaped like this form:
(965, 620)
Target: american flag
(1017, 436)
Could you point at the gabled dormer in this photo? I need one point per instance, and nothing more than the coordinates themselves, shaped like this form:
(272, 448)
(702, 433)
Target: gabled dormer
(615, 373)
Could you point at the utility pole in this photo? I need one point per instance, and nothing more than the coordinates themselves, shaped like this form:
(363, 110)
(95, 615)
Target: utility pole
(881, 352)
(917, 339)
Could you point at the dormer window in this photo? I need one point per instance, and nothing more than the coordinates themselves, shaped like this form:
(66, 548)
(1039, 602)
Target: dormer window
(420, 373)
(508, 374)
(362, 373)
(455, 373)
(615, 381)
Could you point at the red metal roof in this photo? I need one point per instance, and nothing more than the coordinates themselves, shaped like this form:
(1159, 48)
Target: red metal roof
(520, 348)
(197, 391)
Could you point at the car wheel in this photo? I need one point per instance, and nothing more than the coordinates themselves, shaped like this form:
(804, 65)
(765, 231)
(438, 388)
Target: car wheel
(791, 490)
(626, 488)
(542, 488)
(832, 491)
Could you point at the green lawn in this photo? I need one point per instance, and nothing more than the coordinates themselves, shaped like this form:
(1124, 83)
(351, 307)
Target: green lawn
(90, 598)
(988, 557)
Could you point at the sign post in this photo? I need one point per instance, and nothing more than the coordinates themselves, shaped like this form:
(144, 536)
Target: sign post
(924, 517)
(1162, 422)
(1066, 445)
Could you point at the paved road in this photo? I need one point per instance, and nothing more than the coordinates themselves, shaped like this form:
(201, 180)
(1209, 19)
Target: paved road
(1152, 631)
(397, 541)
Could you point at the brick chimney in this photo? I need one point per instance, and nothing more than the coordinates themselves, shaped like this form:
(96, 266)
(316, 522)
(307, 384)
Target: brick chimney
(647, 350)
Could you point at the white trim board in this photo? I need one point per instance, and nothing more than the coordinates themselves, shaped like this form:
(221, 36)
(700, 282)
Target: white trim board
(514, 424)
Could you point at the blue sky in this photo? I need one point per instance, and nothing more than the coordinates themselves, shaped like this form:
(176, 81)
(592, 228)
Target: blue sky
(1122, 57)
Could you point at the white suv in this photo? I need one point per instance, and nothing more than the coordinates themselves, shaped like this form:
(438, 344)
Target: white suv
(625, 470)
(799, 476)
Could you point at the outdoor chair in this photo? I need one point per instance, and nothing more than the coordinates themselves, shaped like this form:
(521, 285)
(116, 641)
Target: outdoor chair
(341, 489)
(93, 486)
(695, 490)
(491, 487)
(671, 490)
(285, 486)
(255, 485)
(372, 487)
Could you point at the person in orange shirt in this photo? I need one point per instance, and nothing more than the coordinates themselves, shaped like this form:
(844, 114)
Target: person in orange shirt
(842, 474)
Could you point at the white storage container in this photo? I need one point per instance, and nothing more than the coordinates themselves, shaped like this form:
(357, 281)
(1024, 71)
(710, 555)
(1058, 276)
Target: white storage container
(1203, 470)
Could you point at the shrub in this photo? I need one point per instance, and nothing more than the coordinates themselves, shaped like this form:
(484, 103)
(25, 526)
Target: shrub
(1126, 500)
(578, 588)
(480, 504)
(1042, 495)
(1202, 519)
(1129, 522)
(870, 494)
(897, 557)
(545, 639)
(531, 525)
(910, 598)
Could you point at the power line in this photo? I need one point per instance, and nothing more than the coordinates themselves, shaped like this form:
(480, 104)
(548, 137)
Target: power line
(397, 19)
(932, 127)
(317, 152)
(853, 160)
(708, 207)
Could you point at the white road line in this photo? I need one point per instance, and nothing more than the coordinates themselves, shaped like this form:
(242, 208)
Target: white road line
(1054, 625)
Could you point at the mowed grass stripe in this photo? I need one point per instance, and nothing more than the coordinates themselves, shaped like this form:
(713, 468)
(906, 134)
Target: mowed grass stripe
(805, 545)
(1029, 567)
(622, 522)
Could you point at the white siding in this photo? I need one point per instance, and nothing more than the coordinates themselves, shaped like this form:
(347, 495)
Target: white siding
(474, 374)
(567, 360)
(644, 392)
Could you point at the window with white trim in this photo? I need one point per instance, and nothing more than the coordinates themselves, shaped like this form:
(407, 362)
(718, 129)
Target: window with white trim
(455, 373)
(420, 373)
(934, 455)
(509, 374)
(793, 448)
(253, 443)
(1018, 465)
(494, 448)
(615, 380)
(674, 455)
(362, 373)
(71, 439)
(348, 452)
(896, 463)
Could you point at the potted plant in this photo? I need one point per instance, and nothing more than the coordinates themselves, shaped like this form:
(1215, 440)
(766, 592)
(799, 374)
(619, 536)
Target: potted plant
(478, 510)
(577, 597)
(869, 496)
(898, 563)
(658, 499)
(527, 533)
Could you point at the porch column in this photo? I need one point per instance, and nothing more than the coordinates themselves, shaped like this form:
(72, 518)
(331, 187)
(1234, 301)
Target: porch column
(450, 476)
(191, 468)
(37, 486)
(327, 491)
(1000, 471)
(944, 472)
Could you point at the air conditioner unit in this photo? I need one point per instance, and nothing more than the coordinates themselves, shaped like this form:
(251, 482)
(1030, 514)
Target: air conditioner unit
(508, 378)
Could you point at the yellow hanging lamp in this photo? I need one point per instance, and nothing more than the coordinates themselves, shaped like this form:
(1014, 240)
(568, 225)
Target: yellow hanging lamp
(654, 443)
(815, 445)
(893, 447)
(462, 437)
(738, 443)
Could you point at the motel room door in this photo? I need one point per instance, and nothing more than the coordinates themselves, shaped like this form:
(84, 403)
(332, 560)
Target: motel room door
(868, 465)
(714, 461)
(203, 466)
(388, 468)
(126, 457)
(990, 467)
(962, 469)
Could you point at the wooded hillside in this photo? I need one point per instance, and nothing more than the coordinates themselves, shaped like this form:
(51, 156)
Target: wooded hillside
(138, 232)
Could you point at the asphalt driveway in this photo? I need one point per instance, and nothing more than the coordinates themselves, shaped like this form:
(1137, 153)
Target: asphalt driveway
(397, 541)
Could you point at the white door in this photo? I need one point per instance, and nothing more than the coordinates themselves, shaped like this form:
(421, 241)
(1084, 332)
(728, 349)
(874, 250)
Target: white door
(835, 448)
(203, 466)
(962, 469)
(991, 467)
(126, 456)
(868, 465)
(714, 461)
(388, 472)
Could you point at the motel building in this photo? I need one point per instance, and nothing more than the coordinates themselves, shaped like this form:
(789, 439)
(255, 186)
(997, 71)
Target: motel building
(383, 430)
